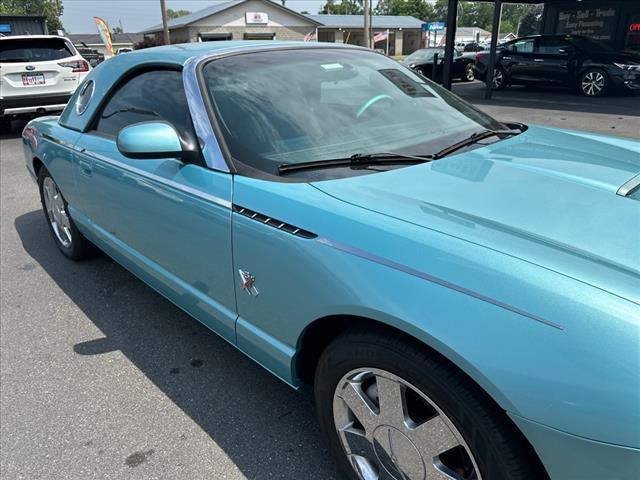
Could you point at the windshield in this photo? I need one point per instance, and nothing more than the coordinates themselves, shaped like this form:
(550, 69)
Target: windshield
(292, 106)
(33, 50)
(424, 55)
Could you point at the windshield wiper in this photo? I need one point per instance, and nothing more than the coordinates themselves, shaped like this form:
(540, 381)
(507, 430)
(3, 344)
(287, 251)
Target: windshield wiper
(359, 160)
(476, 137)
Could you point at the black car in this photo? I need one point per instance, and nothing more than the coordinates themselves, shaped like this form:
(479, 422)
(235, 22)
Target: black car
(91, 55)
(422, 62)
(576, 62)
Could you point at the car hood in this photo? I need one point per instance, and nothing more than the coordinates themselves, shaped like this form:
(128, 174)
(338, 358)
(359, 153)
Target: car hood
(547, 195)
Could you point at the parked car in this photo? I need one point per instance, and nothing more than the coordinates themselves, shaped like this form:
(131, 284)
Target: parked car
(461, 292)
(91, 55)
(124, 50)
(422, 62)
(39, 74)
(586, 65)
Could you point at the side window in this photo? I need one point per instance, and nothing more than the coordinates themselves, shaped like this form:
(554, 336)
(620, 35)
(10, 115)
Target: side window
(524, 46)
(550, 46)
(149, 96)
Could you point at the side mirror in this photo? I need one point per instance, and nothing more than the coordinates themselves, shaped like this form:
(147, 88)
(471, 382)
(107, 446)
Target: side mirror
(150, 140)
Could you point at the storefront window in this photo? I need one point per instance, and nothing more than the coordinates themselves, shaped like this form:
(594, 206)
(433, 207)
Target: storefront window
(596, 23)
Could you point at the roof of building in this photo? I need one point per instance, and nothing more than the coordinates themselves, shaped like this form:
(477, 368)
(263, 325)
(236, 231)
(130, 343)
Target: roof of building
(212, 10)
(377, 21)
(95, 39)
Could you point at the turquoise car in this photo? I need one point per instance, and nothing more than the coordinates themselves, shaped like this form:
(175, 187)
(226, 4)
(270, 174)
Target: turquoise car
(463, 294)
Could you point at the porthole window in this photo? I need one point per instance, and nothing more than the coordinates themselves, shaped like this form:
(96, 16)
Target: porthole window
(84, 98)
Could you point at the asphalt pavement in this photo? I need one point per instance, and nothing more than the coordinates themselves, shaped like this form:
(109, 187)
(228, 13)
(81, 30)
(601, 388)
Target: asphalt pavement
(101, 378)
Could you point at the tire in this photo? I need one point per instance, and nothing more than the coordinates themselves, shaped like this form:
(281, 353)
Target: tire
(469, 74)
(500, 80)
(475, 437)
(65, 233)
(594, 83)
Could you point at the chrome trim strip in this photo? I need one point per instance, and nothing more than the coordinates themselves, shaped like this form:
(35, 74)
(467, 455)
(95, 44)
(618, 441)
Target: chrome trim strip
(430, 278)
(48, 108)
(156, 178)
(204, 130)
(629, 187)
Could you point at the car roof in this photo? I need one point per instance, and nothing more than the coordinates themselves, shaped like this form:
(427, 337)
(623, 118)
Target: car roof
(25, 37)
(181, 53)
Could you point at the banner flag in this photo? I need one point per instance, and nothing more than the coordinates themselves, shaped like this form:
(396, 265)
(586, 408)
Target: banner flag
(105, 34)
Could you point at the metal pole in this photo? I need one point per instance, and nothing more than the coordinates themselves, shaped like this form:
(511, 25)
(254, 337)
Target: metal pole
(367, 24)
(165, 23)
(388, 33)
(452, 16)
(497, 15)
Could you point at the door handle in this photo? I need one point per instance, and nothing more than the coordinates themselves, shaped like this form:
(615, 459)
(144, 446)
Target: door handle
(506, 58)
(85, 168)
(538, 60)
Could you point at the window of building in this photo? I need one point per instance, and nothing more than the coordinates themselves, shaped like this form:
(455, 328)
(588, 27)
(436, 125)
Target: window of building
(259, 36)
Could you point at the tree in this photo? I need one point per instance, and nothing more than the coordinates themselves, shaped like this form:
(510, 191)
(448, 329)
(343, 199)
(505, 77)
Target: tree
(530, 23)
(345, 7)
(51, 9)
(116, 30)
(415, 8)
(171, 14)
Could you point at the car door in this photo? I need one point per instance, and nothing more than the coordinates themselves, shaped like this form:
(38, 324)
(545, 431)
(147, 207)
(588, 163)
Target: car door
(167, 221)
(552, 58)
(519, 61)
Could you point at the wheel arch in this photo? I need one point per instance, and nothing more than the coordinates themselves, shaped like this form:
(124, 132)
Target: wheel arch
(321, 332)
(37, 165)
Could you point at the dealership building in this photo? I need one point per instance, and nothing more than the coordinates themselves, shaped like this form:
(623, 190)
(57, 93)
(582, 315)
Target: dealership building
(268, 20)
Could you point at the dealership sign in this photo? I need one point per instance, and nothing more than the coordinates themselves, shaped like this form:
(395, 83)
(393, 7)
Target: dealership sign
(260, 18)
(433, 26)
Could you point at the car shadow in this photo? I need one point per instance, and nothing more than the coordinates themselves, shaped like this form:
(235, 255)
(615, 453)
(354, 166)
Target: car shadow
(560, 99)
(267, 429)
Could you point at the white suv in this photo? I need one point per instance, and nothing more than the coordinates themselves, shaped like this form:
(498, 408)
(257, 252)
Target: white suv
(38, 73)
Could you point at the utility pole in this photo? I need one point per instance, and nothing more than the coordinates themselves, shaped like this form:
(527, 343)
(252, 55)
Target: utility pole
(165, 23)
(367, 24)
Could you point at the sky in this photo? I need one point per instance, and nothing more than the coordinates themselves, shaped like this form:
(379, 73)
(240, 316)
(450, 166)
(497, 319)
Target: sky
(137, 15)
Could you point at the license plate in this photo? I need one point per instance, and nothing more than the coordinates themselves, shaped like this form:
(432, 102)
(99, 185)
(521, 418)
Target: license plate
(33, 79)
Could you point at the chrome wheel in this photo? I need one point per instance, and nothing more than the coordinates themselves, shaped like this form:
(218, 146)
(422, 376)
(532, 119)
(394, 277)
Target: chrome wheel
(390, 430)
(498, 78)
(593, 83)
(469, 74)
(56, 212)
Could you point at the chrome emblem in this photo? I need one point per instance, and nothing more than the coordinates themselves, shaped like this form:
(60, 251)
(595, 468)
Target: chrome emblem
(30, 67)
(248, 283)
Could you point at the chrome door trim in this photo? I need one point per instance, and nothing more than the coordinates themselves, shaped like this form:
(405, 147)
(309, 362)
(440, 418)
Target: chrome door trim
(433, 279)
(629, 187)
(156, 178)
(204, 130)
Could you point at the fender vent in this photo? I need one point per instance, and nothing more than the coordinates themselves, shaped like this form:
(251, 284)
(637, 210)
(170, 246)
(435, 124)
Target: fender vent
(272, 222)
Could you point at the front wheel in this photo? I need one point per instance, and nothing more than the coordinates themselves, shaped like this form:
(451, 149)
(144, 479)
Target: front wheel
(499, 81)
(469, 74)
(594, 83)
(392, 410)
(56, 210)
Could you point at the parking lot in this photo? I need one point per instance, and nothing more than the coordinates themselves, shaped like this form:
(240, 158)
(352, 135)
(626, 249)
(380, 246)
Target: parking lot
(103, 378)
